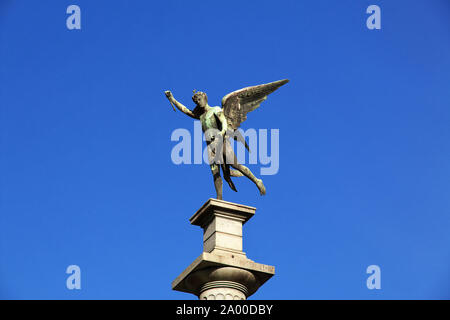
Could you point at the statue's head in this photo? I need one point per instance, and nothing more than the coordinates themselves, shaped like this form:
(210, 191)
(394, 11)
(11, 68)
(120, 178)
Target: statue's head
(200, 99)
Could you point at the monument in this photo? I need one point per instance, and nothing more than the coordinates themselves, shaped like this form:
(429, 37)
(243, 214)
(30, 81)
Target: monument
(223, 271)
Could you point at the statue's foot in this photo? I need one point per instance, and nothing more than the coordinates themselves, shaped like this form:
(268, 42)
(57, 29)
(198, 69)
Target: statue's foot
(260, 185)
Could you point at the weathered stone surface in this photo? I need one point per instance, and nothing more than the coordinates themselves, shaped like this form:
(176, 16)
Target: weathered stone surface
(222, 225)
(190, 281)
(222, 271)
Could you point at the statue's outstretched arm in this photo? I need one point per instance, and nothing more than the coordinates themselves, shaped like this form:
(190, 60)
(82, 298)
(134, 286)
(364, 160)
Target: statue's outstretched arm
(180, 106)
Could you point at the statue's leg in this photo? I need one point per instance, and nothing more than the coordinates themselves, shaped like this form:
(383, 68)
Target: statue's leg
(227, 176)
(230, 158)
(235, 173)
(246, 172)
(215, 169)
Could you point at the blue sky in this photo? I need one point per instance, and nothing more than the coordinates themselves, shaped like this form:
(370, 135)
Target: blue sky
(86, 176)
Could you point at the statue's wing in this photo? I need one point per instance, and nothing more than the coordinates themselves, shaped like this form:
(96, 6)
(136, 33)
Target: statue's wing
(238, 103)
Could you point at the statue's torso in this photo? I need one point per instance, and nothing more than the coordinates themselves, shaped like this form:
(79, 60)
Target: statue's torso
(208, 120)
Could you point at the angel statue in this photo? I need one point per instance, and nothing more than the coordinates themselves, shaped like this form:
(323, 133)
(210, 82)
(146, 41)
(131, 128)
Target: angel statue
(221, 124)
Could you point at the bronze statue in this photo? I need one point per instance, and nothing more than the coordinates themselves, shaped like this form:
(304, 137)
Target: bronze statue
(225, 121)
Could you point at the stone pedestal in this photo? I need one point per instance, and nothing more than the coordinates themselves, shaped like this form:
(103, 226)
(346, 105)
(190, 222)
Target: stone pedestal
(222, 271)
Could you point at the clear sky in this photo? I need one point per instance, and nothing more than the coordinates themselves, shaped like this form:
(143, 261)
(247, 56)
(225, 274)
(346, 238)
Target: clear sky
(86, 176)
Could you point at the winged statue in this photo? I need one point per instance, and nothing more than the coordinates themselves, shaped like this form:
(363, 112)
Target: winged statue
(221, 124)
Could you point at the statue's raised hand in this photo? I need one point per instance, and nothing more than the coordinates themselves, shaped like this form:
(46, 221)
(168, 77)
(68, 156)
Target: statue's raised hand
(170, 97)
(168, 94)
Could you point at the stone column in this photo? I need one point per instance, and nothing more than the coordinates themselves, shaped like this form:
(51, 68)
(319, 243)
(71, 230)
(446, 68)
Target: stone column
(222, 271)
